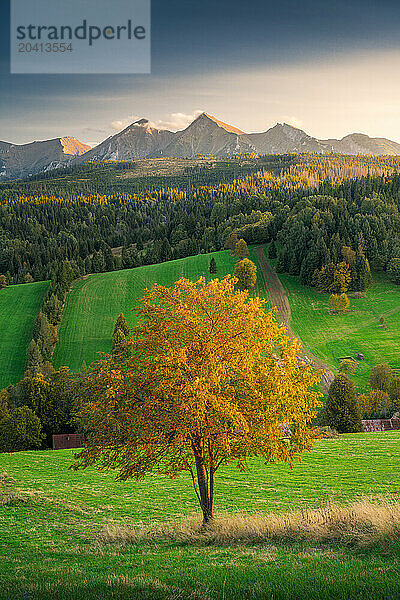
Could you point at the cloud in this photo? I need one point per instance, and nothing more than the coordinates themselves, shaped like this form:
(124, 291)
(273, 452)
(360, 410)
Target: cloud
(176, 121)
(292, 121)
(121, 124)
(172, 121)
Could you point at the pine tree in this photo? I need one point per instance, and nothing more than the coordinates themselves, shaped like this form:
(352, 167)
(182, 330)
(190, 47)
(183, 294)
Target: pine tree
(35, 359)
(213, 266)
(363, 278)
(272, 252)
(394, 270)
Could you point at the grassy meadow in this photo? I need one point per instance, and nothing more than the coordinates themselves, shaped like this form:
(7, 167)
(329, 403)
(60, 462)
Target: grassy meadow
(357, 331)
(53, 542)
(95, 302)
(19, 307)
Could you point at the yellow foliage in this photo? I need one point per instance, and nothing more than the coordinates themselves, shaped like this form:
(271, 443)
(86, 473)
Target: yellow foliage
(210, 377)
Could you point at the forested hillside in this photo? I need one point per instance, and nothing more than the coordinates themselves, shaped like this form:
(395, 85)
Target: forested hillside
(314, 205)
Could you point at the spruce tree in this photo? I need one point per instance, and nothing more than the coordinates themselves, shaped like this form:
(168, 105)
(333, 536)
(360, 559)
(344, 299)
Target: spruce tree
(35, 359)
(342, 410)
(272, 252)
(213, 266)
(118, 340)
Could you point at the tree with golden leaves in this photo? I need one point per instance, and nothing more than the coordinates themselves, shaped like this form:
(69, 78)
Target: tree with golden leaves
(210, 378)
(246, 273)
(241, 249)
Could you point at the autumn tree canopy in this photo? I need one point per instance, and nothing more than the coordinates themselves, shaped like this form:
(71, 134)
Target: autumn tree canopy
(246, 273)
(241, 249)
(210, 378)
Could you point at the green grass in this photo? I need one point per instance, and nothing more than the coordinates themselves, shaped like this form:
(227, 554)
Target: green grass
(94, 304)
(50, 545)
(19, 307)
(358, 331)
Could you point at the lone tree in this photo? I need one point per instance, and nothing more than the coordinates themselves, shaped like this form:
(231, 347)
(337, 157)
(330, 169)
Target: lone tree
(338, 303)
(246, 274)
(121, 332)
(211, 378)
(241, 249)
(342, 409)
(213, 266)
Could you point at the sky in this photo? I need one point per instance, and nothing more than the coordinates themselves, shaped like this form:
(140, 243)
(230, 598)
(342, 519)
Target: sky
(330, 68)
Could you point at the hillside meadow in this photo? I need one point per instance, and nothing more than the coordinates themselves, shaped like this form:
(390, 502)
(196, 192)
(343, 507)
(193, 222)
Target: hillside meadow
(19, 307)
(95, 302)
(61, 530)
(331, 337)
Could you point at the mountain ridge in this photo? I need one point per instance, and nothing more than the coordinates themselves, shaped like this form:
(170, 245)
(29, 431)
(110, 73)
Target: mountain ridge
(206, 135)
(21, 160)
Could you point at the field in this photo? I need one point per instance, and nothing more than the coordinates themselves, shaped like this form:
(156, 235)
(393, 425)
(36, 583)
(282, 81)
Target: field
(331, 337)
(95, 302)
(19, 307)
(52, 544)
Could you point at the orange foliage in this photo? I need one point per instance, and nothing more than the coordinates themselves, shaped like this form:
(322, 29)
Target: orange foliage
(210, 377)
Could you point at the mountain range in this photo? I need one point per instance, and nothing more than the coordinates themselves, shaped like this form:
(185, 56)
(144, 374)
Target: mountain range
(206, 135)
(21, 160)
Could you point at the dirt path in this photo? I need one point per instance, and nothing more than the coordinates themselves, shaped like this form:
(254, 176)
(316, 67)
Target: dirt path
(278, 297)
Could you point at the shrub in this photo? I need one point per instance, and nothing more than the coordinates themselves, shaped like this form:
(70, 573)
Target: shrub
(347, 366)
(342, 409)
(22, 430)
(375, 405)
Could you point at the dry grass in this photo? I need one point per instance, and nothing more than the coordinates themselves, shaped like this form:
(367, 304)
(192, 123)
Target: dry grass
(8, 493)
(362, 523)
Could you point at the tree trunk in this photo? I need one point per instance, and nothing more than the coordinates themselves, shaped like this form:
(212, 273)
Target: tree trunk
(206, 495)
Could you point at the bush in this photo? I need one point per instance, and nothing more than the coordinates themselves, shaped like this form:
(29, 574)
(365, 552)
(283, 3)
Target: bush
(375, 405)
(342, 410)
(22, 430)
(347, 366)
